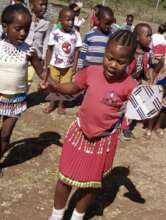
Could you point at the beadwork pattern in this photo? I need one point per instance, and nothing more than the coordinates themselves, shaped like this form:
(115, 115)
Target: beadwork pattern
(11, 54)
(88, 145)
(80, 168)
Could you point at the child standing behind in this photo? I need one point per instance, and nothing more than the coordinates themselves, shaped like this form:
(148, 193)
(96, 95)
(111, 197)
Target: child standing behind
(14, 57)
(141, 67)
(94, 16)
(129, 23)
(95, 41)
(159, 41)
(159, 56)
(78, 21)
(63, 48)
(90, 144)
(38, 33)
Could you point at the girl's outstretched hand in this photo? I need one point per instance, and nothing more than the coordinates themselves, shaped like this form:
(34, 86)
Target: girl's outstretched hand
(46, 86)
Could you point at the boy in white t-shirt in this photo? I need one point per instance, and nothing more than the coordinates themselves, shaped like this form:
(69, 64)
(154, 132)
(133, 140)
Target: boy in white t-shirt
(63, 47)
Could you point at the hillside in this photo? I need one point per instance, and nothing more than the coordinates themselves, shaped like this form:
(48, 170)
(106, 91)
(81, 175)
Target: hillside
(142, 10)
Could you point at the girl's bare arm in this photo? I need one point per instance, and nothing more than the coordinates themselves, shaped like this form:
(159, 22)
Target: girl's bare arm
(64, 88)
(37, 64)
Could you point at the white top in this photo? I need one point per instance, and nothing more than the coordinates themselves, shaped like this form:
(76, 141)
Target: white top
(78, 21)
(64, 47)
(125, 26)
(1, 31)
(13, 67)
(158, 39)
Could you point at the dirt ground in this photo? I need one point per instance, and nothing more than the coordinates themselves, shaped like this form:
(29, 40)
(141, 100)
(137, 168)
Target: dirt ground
(135, 190)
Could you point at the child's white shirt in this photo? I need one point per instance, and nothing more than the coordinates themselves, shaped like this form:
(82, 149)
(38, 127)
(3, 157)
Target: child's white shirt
(78, 21)
(64, 45)
(158, 39)
(13, 67)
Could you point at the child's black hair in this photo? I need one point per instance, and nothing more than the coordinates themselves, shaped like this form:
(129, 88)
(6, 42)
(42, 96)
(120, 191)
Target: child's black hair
(162, 28)
(97, 9)
(73, 6)
(138, 28)
(65, 10)
(130, 16)
(124, 38)
(104, 11)
(20, 2)
(10, 11)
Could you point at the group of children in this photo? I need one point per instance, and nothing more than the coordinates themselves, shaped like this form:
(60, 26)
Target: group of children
(106, 66)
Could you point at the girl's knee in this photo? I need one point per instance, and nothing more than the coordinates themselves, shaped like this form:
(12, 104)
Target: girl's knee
(61, 186)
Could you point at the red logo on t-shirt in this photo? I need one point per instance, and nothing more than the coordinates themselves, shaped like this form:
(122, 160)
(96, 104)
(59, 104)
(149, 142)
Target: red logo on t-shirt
(111, 98)
(66, 46)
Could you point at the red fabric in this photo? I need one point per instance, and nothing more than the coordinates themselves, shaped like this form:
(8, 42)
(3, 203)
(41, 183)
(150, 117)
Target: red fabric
(159, 50)
(132, 65)
(103, 100)
(80, 166)
(94, 20)
(146, 61)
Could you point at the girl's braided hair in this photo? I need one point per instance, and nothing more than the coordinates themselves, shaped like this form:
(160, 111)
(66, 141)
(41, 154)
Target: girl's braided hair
(124, 38)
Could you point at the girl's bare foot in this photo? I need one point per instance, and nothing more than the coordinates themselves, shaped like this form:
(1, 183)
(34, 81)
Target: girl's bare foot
(160, 133)
(61, 111)
(148, 134)
(49, 108)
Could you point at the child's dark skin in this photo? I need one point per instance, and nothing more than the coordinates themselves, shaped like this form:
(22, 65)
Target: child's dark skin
(105, 23)
(38, 7)
(16, 32)
(116, 59)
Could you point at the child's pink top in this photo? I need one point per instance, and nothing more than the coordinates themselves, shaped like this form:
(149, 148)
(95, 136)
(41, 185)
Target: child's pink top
(103, 101)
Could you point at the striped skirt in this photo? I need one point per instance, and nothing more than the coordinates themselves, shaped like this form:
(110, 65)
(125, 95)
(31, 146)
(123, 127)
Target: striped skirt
(12, 105)
(85, 162)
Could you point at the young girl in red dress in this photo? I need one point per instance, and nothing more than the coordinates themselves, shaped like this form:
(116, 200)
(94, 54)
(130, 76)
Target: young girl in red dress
(90, 143)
